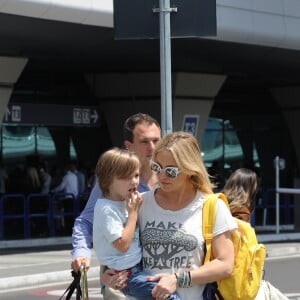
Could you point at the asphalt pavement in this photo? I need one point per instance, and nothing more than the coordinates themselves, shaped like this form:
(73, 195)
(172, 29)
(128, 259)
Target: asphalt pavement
(39, 262)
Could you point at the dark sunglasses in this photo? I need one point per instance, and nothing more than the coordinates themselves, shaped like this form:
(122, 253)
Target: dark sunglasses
(171, 172)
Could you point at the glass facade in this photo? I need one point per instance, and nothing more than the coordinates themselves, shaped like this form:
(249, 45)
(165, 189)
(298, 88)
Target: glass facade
(221, 148)
(244, 137)
(22, 142)
(230, 141)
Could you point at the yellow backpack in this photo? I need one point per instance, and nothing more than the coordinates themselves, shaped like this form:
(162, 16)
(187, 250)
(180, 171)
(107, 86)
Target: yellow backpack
(244, 282)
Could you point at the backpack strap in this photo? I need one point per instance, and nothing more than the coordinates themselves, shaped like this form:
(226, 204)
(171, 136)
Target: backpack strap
(208, 220)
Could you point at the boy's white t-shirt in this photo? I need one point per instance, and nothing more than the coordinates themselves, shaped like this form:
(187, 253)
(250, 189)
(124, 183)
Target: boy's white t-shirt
(110, 218)
(172, 241)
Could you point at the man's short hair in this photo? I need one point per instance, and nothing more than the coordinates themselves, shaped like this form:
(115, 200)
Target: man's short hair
(133, 120)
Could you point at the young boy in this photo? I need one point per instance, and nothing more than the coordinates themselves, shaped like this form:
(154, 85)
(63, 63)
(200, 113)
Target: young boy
(115, 234)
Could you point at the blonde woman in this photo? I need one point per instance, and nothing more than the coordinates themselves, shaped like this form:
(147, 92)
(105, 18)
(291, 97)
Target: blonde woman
(170, 221)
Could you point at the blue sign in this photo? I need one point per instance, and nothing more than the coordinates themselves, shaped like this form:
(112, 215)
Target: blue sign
(190, 124)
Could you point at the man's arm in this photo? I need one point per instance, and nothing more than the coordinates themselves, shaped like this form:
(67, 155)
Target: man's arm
(60, 187)
(82, 235)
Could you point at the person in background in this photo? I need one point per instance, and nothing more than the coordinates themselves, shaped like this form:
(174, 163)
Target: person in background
(33, 183)
(57, 175)
(80, 176)
(91, 179)
(64, 201)
(241, 189)
(69, 183)
(45, 179)
(141, 132)
(170, 222)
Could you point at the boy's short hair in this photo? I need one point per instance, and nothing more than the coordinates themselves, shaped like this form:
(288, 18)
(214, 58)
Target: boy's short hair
(115, 163)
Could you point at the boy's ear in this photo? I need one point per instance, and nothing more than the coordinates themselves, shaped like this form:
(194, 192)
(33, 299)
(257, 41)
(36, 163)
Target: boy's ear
(127, 144)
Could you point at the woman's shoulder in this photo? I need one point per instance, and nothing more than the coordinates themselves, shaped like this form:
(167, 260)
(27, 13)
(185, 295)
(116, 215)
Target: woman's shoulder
(148, 201)
(148, 194)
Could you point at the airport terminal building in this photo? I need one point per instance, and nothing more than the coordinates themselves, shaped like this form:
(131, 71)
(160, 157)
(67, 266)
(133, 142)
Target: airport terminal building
(67, 85)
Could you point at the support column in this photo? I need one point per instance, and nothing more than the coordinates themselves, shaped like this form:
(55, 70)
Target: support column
(194, 95)
(10, 70)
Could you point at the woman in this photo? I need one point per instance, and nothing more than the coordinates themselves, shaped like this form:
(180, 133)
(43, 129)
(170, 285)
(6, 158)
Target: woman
(240, 190)
(170, 221)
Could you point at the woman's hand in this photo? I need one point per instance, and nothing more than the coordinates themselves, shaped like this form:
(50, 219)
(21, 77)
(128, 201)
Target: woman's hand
(166, 285)
(114, 279)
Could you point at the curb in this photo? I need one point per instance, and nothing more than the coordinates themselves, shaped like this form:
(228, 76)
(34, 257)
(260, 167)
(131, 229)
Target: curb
(43, 278)
(282, 251)
(279, 238)
(93, 273)
(39, 242)
(283, 244)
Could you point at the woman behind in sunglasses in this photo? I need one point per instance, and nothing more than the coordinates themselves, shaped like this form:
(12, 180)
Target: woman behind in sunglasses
(170, 221)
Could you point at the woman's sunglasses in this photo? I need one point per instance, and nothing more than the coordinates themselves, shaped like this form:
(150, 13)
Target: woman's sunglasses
(171, 172)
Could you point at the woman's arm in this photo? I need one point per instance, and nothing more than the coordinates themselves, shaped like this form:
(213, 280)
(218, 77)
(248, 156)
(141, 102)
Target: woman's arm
(219, 268)
(222, 264)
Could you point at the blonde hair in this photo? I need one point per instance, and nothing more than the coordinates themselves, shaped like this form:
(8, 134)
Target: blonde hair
(241, 188)
(115, 163)
(187, 154)
(33, 177)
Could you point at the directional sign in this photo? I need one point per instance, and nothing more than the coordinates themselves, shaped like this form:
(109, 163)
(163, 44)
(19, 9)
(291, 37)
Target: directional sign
(86, 116)
(53, 115)
(13, 113)
(190, 124)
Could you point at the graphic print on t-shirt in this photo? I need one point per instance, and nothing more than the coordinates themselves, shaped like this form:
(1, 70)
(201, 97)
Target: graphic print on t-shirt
(167, 246)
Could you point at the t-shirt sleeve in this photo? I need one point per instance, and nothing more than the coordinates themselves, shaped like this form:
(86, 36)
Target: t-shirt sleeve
(224, 220)
(109, 222)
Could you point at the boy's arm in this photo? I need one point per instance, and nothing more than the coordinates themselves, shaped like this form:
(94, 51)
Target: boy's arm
(133, 204)
(123, 243)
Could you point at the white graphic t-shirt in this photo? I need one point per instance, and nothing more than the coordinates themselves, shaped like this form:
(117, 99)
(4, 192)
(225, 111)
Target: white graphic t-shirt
(172, 241)
(110, 218)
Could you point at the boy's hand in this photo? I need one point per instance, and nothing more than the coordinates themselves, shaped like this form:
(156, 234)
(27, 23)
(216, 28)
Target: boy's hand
(134, 202)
